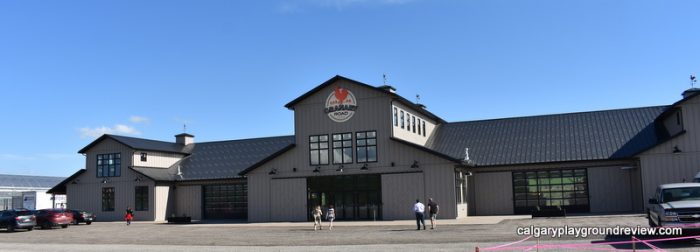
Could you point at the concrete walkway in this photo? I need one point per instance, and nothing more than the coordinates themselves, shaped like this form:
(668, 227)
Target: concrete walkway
(475, 220)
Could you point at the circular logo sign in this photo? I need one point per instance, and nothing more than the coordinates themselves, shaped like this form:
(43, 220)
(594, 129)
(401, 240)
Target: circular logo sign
(340, 105)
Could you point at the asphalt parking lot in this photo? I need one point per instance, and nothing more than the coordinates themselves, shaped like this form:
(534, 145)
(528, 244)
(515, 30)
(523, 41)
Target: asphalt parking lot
(451, 235)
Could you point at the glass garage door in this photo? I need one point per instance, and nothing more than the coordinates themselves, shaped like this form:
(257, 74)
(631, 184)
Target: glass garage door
(225, 201)
(567, 188)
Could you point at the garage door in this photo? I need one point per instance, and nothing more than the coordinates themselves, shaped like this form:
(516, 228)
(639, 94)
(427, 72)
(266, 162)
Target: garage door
(225, 201)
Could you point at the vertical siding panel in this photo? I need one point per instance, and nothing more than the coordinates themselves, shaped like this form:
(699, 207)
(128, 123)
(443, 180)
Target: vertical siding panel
(494, 193)
(189, 201)
(399, 193)
(288, 199)
(612, 192)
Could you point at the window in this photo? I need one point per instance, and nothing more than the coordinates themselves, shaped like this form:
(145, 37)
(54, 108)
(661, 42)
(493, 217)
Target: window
(141, 198)
(567, 188)
(366, 146)
(144, 156)
(423, 128)
(108, 165)
(413, 123)
(342, 148)
(318, 149)
(229, 201)
(678, 118)
(419, 126)
(108, 199)
(408, 122)
(396, 117)
(402, 119)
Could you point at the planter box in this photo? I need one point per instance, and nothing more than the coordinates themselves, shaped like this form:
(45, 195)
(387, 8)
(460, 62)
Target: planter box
(179, 219)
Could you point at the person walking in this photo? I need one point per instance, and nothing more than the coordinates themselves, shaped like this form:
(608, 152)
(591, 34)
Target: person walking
(419, 210)
(433, 209)
(330, 216)
(129, 216)
(317, 217)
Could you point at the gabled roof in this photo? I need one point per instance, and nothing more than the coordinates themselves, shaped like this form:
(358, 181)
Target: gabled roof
(399, 98)
(142, 144)
(22, 181)
(597, 135)
(220, 160)
(60, 187)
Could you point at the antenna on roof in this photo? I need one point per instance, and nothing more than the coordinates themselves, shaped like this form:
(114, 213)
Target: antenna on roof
(692, 81)
(384, 77)
(417, 99)
(184, 128)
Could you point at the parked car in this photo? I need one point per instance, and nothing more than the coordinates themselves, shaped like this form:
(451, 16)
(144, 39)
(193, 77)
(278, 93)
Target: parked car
(676, 205)
(82, 216)
(697, 178)
(48, 218)
(17, 219)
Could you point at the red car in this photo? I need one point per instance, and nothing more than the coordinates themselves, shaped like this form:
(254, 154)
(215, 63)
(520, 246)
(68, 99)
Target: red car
(48, 218)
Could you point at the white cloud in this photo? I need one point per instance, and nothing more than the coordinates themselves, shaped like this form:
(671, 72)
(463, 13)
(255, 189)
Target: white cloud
(119, 129)
(138, 119)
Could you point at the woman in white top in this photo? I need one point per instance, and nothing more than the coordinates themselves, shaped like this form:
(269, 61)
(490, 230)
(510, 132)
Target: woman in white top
(330, 216)
(317, 217)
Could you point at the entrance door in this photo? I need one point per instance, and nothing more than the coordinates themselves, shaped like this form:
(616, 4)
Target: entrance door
(355, 197)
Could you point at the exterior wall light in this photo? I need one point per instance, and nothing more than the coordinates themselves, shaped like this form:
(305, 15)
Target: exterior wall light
(272, 172)
(676, 150)
(364, 167)
(105, 180)
(340, 169)
(317, 170)
(415, 164)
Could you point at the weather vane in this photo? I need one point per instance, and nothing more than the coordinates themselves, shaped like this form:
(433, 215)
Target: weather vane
(384, 76)
(692, 81)
(184, 128)
(417, 99)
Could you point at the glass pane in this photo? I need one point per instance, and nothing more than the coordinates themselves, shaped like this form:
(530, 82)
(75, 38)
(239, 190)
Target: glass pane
(372, 154)
(361, 142)
(520, 189)
(337, 144)
(372, 141)
(313, 139)
(361, 135)
(336, 137)
(313, 146)
(337, 156)
(324, 157)
(323, 145)
(361, 154)
(520, 196)
(532, 188)
(372, 134)
(544, 188)
(347, 143)
(347, 136)
(314, 157)
(323, 138)
(347, 155)
(567, 180)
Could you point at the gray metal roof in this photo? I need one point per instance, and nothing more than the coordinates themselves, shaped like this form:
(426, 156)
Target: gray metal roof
(143, 144)
(220, 160)
(597, 135)
(29, 181)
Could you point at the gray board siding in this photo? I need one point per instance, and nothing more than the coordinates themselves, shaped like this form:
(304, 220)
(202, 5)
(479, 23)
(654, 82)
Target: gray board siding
(598, 135)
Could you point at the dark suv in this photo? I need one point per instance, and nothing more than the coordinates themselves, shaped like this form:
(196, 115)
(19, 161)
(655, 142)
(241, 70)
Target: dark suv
(17, 219)
(48, 218)
(82, 216)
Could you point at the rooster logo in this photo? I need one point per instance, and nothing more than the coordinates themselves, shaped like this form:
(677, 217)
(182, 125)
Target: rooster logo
(340, 94)
(340, 104)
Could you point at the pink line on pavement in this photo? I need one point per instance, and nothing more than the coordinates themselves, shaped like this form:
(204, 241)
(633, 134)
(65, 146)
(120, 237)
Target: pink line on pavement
(506, 245)
(580, 245)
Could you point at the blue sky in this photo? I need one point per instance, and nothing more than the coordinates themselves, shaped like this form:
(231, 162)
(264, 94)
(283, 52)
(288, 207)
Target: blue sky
(71, 70)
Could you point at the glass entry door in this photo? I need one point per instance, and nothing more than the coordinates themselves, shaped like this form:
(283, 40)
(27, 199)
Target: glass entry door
(355, 197)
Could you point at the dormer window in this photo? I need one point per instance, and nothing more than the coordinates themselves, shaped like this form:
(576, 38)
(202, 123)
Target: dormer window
(402, 122)
(144, 157)
(396, 117)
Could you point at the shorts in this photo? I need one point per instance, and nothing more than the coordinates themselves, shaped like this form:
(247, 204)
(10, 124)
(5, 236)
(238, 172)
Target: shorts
(433, 216)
